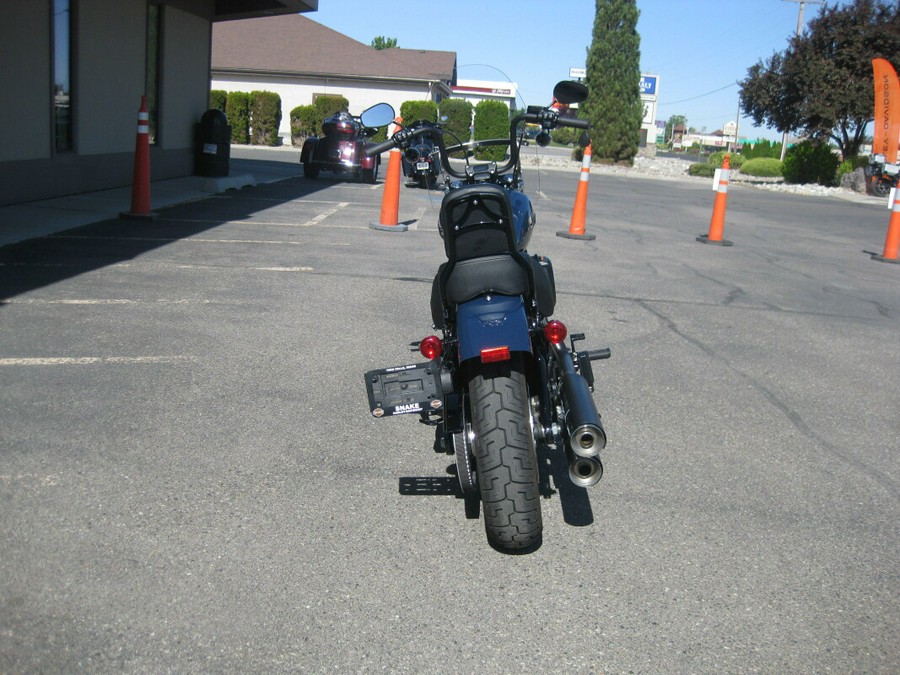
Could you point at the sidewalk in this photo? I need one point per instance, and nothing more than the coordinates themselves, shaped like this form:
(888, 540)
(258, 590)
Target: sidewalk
(248, 166)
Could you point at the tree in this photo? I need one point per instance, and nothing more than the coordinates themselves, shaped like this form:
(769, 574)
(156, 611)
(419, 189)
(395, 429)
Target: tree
(674, 121)
(821, 85)
(382, 42)
(614, 107)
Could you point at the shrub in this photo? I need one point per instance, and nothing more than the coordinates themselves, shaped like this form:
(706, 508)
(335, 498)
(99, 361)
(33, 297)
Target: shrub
(237, 110)
(328, 105)
(762, 149)
(809, 162)
(849, 166)
(491, 121)
(717, 158)
(762, 167)
(458, 112)
(265, 118)
(565, 135)
(412, 111)
(705, 170)
(304, 123)
(218, 98)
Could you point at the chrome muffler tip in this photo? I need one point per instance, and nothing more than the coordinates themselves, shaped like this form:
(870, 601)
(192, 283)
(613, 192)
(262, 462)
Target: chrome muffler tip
(587, 440)
(585, 471)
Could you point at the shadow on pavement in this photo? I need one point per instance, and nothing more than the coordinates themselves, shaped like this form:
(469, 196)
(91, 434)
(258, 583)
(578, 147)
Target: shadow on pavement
(35, 263)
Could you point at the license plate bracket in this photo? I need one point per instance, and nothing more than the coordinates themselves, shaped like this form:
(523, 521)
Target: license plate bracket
(404, 390)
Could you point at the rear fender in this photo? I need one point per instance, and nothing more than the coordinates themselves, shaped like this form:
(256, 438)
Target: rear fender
(309, 147)
(492, 321)
(367, 162)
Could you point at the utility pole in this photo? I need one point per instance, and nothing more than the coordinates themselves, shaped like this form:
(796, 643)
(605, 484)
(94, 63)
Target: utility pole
(799, 29)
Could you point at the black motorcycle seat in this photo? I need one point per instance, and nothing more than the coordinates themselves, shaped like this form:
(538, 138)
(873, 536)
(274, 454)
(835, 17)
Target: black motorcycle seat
(501, 274)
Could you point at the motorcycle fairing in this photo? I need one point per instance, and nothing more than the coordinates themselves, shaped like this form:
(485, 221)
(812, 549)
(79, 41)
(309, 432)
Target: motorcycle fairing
(492, 321)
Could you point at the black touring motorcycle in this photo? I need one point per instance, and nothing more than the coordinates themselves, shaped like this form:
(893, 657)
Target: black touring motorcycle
(501, 379)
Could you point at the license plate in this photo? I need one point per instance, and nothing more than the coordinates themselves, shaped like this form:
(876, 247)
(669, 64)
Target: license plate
(422, 166)
(404, 390)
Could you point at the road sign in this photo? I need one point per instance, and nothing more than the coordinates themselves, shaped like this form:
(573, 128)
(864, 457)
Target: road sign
(648, 86)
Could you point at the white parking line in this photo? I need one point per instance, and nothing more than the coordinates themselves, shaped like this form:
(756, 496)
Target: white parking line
(309, 223)
(104, 301)
(90, 360)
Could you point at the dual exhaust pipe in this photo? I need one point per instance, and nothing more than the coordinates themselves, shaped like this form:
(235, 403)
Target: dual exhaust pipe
(586, 437)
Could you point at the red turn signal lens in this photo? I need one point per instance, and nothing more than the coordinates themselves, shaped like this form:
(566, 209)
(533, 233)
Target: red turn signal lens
(495, 354)
(555, 331)
(431, 347)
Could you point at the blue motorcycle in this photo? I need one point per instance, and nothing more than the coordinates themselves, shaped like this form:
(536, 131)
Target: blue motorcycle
(500, 379)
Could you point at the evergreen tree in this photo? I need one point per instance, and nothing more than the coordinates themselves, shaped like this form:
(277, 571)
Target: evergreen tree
(614, 106)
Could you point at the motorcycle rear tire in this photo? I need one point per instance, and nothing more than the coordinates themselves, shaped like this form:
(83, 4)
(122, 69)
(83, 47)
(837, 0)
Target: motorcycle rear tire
(881, 188)
(505, 456)
(369, 175)
(310, 171)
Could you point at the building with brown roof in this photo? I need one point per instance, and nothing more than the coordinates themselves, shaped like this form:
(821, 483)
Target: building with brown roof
(74, 73)
(299, 59)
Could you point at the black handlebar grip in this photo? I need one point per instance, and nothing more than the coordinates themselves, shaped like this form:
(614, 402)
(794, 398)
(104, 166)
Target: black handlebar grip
(377, 149)
(574, 122)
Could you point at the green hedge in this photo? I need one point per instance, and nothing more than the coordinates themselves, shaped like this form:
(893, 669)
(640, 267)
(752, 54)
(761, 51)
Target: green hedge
(491, 121)
(809, 162)
(717, 158)
(218, 98)
(328, 105)
(565, 135)
(237, 109)
(458, 112)
(304, 122)
(702, 169)
(265, 118)
(762, 167)
(412, 111)
(762, 149)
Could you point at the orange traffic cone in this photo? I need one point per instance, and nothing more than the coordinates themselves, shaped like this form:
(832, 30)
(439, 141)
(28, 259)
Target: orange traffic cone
(892, 240)
(717, 223)
(576, 224)
(140, 182)
(390, 199)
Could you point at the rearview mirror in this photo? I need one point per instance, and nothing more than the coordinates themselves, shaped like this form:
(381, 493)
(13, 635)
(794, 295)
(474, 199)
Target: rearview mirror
(569, 91)
(379, 115)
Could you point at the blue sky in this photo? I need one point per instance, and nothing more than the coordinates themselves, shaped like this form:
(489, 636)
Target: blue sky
(698, 48)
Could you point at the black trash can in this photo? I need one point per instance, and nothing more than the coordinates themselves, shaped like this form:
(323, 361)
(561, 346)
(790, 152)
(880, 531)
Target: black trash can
(213, 144)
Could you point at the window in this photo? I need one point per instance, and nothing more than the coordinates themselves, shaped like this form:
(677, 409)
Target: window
(154, 32)
(62, 75)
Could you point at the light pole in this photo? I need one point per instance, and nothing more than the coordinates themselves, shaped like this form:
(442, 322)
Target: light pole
(799, 28)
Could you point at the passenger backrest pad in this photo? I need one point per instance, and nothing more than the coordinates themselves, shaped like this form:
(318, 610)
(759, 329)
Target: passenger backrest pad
(477, 221)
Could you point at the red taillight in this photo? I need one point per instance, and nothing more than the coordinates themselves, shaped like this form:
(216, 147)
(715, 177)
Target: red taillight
(555, 331)
(495, 354)
(431, 347)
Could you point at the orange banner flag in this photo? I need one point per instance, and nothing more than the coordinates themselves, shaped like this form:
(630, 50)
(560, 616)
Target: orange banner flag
(887, 111)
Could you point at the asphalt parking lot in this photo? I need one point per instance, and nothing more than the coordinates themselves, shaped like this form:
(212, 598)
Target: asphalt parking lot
(190, 480)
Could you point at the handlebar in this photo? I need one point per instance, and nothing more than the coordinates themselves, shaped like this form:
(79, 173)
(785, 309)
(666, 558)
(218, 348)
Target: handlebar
(378, 148)
(547, 118)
